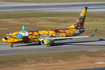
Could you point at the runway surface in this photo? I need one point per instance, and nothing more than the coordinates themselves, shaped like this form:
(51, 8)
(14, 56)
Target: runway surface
(101, 68)
(84, 44)
(52, 7)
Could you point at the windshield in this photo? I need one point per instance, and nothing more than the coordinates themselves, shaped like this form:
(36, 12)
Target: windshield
(8, 36)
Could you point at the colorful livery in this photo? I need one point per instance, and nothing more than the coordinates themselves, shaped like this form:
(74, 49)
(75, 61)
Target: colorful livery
(48, 36)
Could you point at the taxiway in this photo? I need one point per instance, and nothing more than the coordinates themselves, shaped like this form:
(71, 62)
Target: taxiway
(84, 44)
(93, 7)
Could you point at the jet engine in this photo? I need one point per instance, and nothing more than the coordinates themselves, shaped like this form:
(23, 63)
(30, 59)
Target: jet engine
(47, 42)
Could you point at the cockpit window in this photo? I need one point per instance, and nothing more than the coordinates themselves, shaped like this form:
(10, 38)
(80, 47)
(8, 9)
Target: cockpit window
(8, 36)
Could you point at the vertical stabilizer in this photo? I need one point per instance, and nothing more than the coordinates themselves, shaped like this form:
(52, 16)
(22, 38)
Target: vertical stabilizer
(23, 27)
(81, 19)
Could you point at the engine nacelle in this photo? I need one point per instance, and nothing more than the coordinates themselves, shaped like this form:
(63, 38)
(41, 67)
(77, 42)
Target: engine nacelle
(47, 42)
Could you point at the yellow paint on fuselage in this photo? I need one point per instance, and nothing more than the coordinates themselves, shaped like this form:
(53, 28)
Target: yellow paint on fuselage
(62, 34)
(11, 40)
(36, 33)
(43, 32)
(3, 40)
(14, 34)
(33, 39)
(52, 33)
(33, 35)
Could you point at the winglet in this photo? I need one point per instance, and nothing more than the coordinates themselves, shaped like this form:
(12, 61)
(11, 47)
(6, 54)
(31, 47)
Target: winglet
(23, 27)
(94, 32)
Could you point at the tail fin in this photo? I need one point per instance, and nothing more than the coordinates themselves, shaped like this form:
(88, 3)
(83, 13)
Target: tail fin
(23, 27)
(81, 19)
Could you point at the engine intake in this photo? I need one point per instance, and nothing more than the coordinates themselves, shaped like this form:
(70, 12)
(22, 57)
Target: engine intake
(47, 42)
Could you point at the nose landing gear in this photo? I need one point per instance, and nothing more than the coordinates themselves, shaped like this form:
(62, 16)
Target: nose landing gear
(11, 45)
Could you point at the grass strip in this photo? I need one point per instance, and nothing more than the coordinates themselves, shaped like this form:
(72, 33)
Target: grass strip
(9, 15)
(34, 14)
(10, 22)
(37, 59)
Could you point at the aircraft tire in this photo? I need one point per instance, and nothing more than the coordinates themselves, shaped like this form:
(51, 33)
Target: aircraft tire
(52, 43)
(11, 45)
(39, 43)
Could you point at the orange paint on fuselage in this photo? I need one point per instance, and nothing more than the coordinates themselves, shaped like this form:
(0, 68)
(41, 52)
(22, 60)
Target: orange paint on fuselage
(33, 35)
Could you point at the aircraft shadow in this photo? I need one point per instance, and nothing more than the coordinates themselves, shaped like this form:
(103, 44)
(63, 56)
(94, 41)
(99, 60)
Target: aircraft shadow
(26, 45)
(77, 43)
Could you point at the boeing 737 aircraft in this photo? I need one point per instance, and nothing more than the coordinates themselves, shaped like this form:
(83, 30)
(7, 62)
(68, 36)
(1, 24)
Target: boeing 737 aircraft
(48, 36)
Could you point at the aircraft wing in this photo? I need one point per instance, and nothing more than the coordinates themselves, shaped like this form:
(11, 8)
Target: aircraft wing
(59, 38)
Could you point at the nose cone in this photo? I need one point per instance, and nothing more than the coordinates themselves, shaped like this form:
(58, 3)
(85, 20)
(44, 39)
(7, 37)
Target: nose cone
(3, 39)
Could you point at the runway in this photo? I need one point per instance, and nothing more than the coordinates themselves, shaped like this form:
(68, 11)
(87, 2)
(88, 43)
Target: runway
(60, 46)
(84, 44)
(93, 7)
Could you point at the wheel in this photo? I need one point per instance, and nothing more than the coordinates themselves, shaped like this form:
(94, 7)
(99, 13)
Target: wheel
(39, 43)
(53, 43)
(11, 45)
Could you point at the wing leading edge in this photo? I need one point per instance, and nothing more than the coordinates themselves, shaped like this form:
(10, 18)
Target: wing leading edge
(59, 38)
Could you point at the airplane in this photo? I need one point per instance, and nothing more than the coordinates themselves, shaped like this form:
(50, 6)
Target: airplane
(48, 36)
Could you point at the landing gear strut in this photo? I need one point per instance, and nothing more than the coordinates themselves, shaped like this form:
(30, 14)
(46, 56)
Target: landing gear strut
(11, 45)
(39, 43)
(53, 43)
